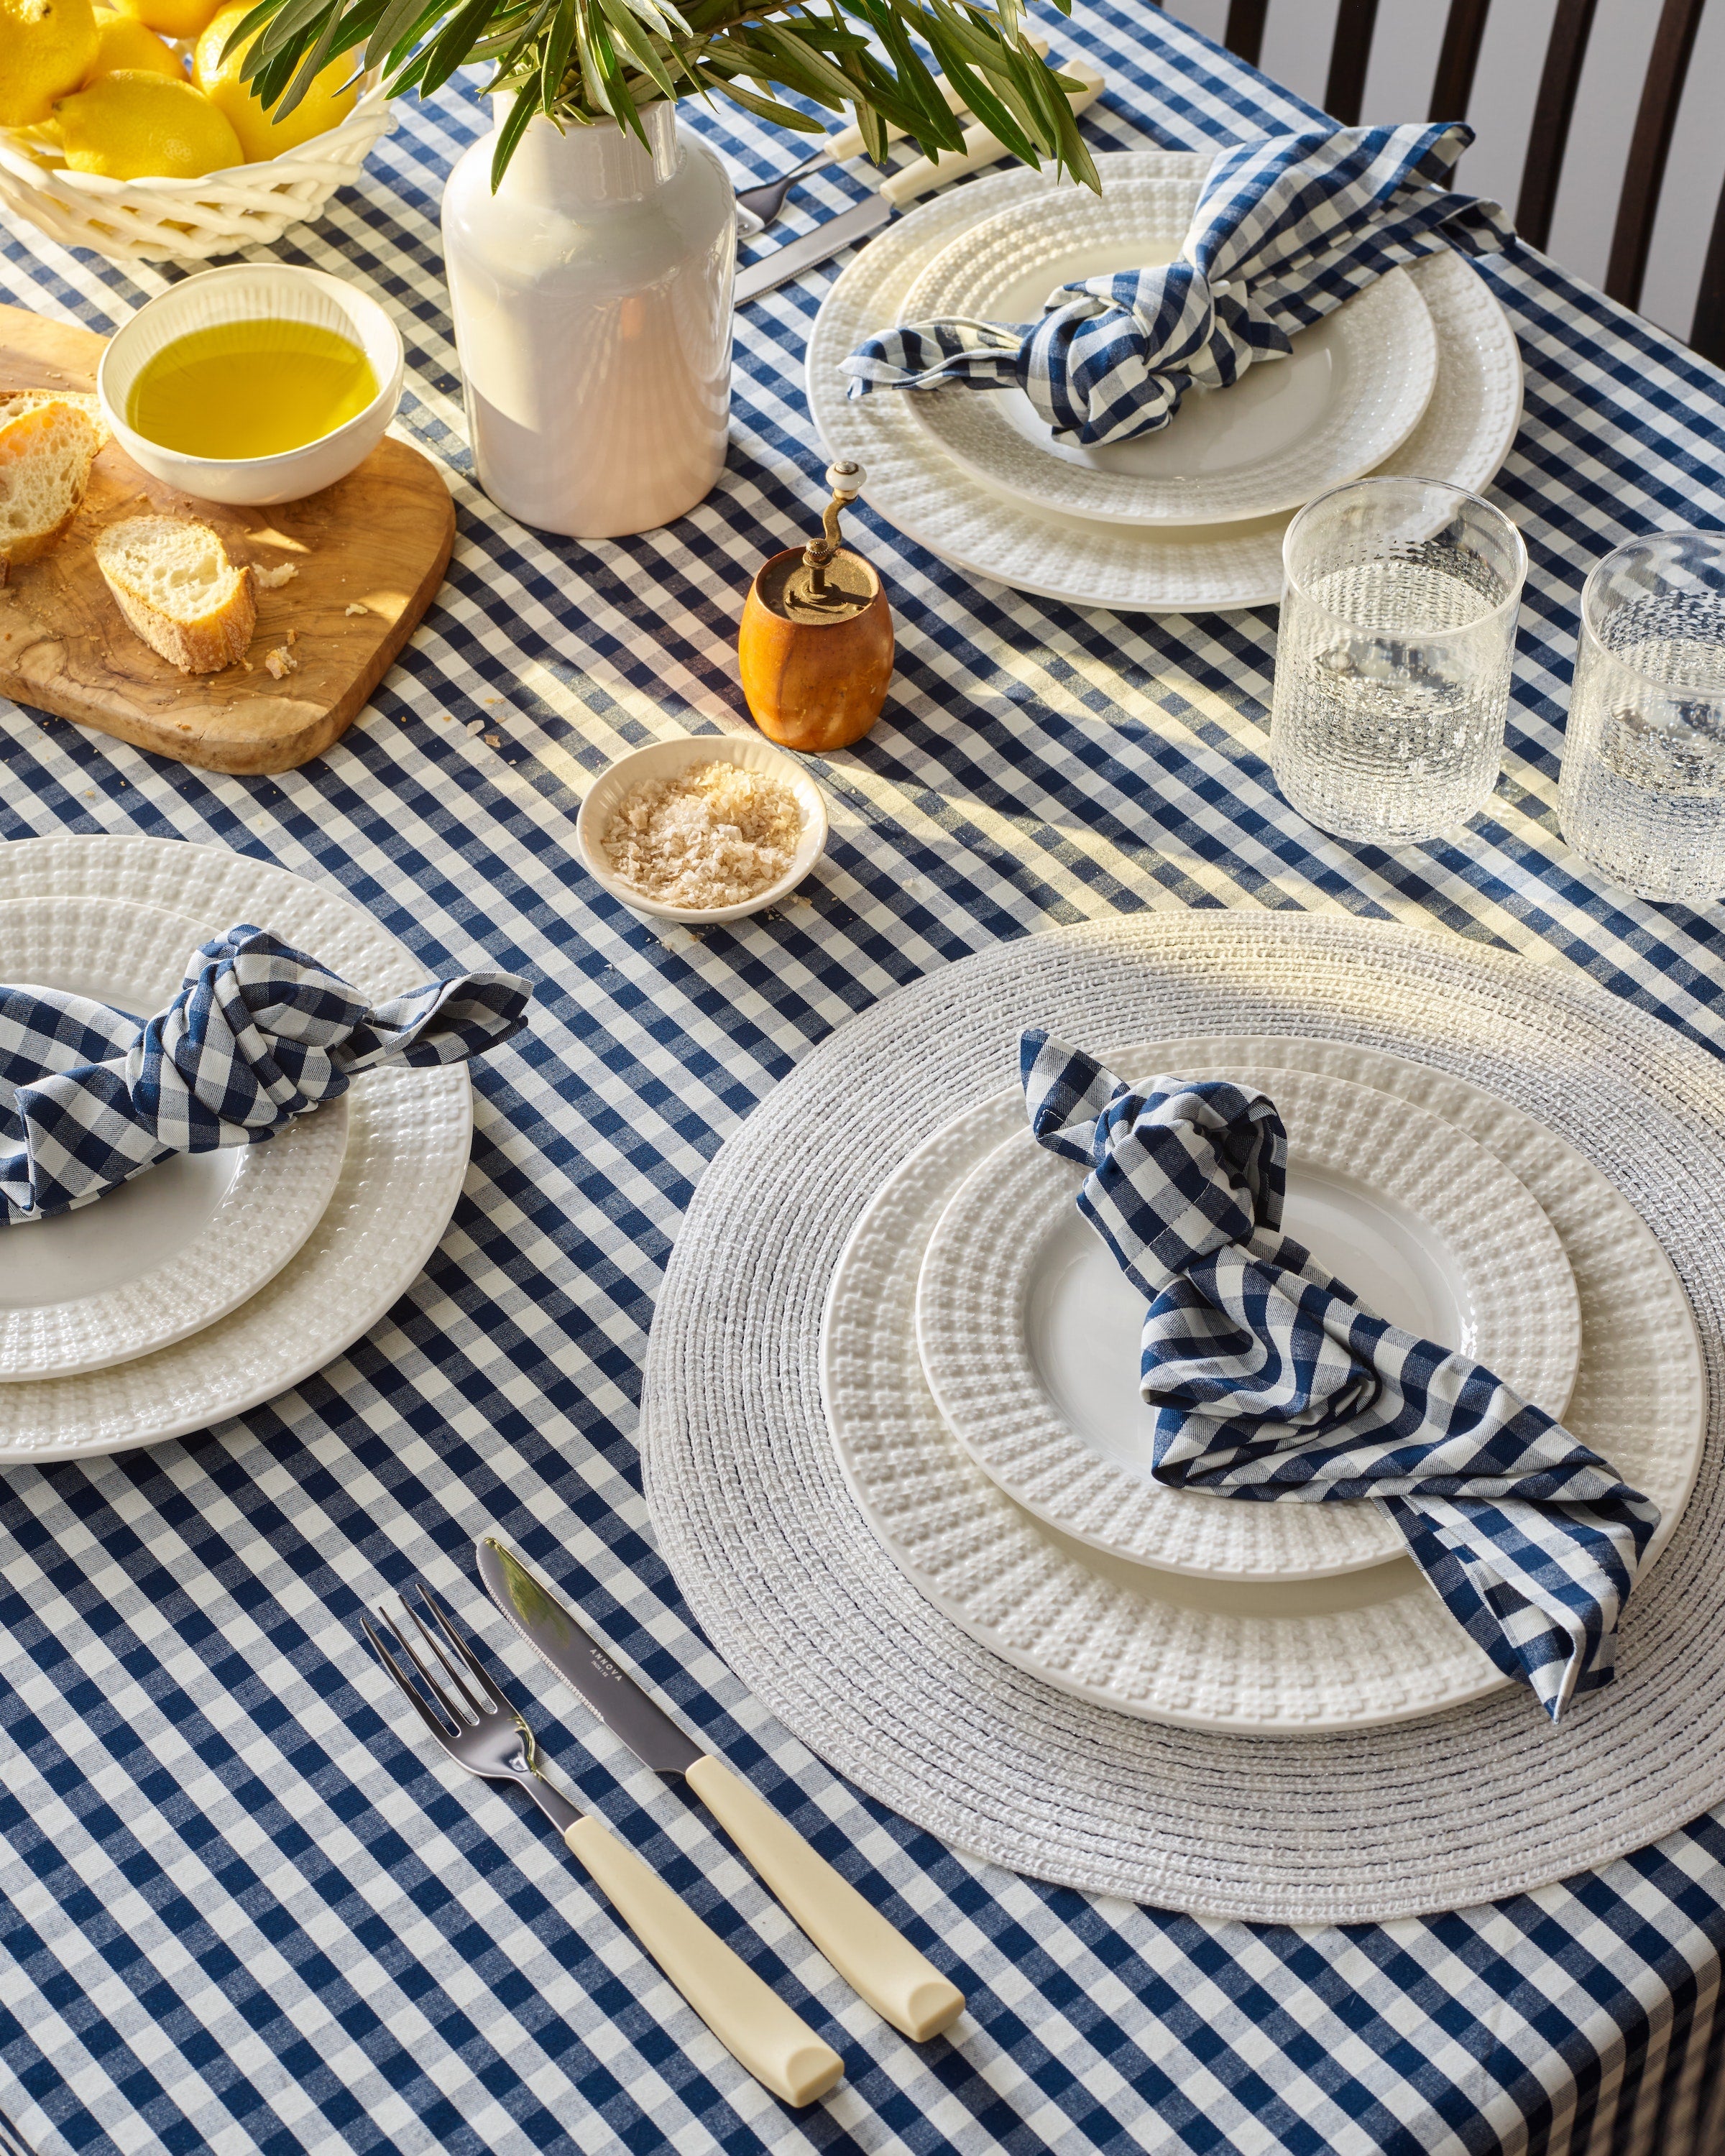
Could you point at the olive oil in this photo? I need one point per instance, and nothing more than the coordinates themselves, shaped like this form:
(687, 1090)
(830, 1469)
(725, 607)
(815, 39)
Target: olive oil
(250, 389)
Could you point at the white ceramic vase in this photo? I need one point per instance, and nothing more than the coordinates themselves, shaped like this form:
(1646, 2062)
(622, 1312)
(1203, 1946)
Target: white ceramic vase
(592, 301)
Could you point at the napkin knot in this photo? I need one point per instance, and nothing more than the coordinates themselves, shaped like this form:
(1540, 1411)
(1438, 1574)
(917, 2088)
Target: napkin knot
(257, 1034)
(1286, 228)
(1271, 1379)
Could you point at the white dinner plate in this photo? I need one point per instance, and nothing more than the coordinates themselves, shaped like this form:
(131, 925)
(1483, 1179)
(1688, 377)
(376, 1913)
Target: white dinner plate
(409, 1133)
(185, 1243)
(1029, 1332)
(1463, 436)
(1268, 1658)
(1351, 392)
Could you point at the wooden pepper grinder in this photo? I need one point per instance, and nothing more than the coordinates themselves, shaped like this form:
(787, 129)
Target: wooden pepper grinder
(816, 643)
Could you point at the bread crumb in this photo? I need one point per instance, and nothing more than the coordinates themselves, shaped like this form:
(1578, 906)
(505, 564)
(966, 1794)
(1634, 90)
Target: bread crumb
(355, 609)
(473, 725)
(714, 835)
(494, 740)
(280, 662)
(272, 580)
(293, 636)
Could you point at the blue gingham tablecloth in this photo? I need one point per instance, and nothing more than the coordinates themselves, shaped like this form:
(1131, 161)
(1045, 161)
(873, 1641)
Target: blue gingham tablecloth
(241, 1907)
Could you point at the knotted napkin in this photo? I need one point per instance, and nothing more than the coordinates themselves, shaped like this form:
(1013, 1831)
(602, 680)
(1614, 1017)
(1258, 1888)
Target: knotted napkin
(258, 1034)
(1272, 1379)
(1286, 228)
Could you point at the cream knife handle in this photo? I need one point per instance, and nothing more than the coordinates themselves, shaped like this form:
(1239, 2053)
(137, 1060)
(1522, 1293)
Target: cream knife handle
(874, 1959)
(749, 2018)
(982, 148)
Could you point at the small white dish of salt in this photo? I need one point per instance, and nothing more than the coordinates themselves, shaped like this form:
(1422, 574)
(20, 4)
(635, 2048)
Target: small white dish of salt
(706, 828)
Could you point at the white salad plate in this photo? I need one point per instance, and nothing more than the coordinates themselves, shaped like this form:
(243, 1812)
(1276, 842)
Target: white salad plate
(1029, 1332)
(1463, 436)
(185, 1243)
(409, 1134)
(1351, 392)
(1264, 1657)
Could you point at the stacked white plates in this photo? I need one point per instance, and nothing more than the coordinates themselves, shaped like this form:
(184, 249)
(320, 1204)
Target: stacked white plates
(1420, 374)
(980, 1363)
(214, 1282)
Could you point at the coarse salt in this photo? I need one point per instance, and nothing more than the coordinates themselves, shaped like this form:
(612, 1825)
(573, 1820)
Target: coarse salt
(714, 835)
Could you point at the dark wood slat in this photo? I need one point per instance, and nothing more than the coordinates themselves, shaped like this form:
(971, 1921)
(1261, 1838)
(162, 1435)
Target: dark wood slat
(1350, 56)
(1464, 33)
(1553, 109)
(1244, 33)
(1673, 42)
(1708, 334)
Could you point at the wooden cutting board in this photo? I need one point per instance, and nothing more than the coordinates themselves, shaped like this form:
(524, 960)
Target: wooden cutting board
(379, 539)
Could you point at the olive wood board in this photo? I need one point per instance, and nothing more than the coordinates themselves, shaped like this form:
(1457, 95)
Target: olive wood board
(379, 538)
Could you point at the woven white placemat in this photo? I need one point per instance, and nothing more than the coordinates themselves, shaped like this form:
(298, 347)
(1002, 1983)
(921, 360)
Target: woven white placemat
(793, 1588)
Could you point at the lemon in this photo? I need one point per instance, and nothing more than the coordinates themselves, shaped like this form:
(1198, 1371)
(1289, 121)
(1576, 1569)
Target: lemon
(172, 19)
(136, 126)
(123, 42)
(46, 47)
(324, 104)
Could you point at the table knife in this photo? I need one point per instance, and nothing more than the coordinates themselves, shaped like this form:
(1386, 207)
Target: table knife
(813, 248)
(880, 1965)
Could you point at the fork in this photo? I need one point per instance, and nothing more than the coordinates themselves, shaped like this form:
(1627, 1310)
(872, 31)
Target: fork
(476, 1722)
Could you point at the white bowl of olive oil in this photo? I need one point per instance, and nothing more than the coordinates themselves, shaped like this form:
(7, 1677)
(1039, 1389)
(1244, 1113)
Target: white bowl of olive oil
(253, 385)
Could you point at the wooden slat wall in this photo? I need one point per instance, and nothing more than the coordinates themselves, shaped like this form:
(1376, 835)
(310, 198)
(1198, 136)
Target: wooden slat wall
(1650, 146)
(1548, 137)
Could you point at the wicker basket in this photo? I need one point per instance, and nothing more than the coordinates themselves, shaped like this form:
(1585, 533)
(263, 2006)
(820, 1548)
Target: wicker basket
(190, 220)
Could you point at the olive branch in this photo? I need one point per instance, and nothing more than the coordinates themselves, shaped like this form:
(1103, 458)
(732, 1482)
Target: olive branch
(581, 62)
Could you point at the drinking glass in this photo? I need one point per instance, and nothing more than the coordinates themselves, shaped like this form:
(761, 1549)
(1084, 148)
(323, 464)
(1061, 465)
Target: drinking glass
(1642, 795)
(1398, 609)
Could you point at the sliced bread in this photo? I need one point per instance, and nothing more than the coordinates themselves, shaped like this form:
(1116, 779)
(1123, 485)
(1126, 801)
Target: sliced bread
(14, 403)
(46, 450)
(179, 591)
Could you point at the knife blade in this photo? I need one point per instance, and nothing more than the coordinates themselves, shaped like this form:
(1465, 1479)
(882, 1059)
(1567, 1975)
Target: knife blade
(813, 248)
(880, 1965)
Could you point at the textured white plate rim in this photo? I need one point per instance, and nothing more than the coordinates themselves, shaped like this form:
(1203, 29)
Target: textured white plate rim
(155, 869)
(257, 1229)
(1444, 1636)
(790, 1584)
(1514, 1272)
(1457, 439)
(1384, 340)
(660, 760)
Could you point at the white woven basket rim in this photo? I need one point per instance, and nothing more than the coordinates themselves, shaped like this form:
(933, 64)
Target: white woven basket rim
(362, 122)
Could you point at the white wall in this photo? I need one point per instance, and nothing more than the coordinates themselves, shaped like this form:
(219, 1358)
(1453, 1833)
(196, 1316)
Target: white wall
(1296, 51)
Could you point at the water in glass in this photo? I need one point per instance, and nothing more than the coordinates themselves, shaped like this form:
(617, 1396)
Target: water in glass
(1391, 668)
(1642, 796)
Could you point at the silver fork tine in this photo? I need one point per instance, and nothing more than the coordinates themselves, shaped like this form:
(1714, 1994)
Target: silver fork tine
(409, 1690)
(445, 1661)
(482, 1676)
(434, 1682)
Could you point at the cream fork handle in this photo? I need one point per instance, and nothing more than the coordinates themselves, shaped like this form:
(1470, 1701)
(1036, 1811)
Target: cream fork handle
(874, 1959)
(847, 141)
(749, 2019)
(981, 147)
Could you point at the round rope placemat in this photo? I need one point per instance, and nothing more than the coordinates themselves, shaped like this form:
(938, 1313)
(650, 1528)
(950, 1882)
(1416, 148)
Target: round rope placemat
(790, 1584)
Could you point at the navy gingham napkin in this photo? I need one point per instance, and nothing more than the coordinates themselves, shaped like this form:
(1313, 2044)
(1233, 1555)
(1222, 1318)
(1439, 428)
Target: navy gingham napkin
(258, 1034)
(1286, 228)
(1272, 1379)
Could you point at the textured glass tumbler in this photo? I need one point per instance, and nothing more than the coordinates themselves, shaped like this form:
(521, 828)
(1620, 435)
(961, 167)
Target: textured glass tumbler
(1642, 797)
(1398, 609)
